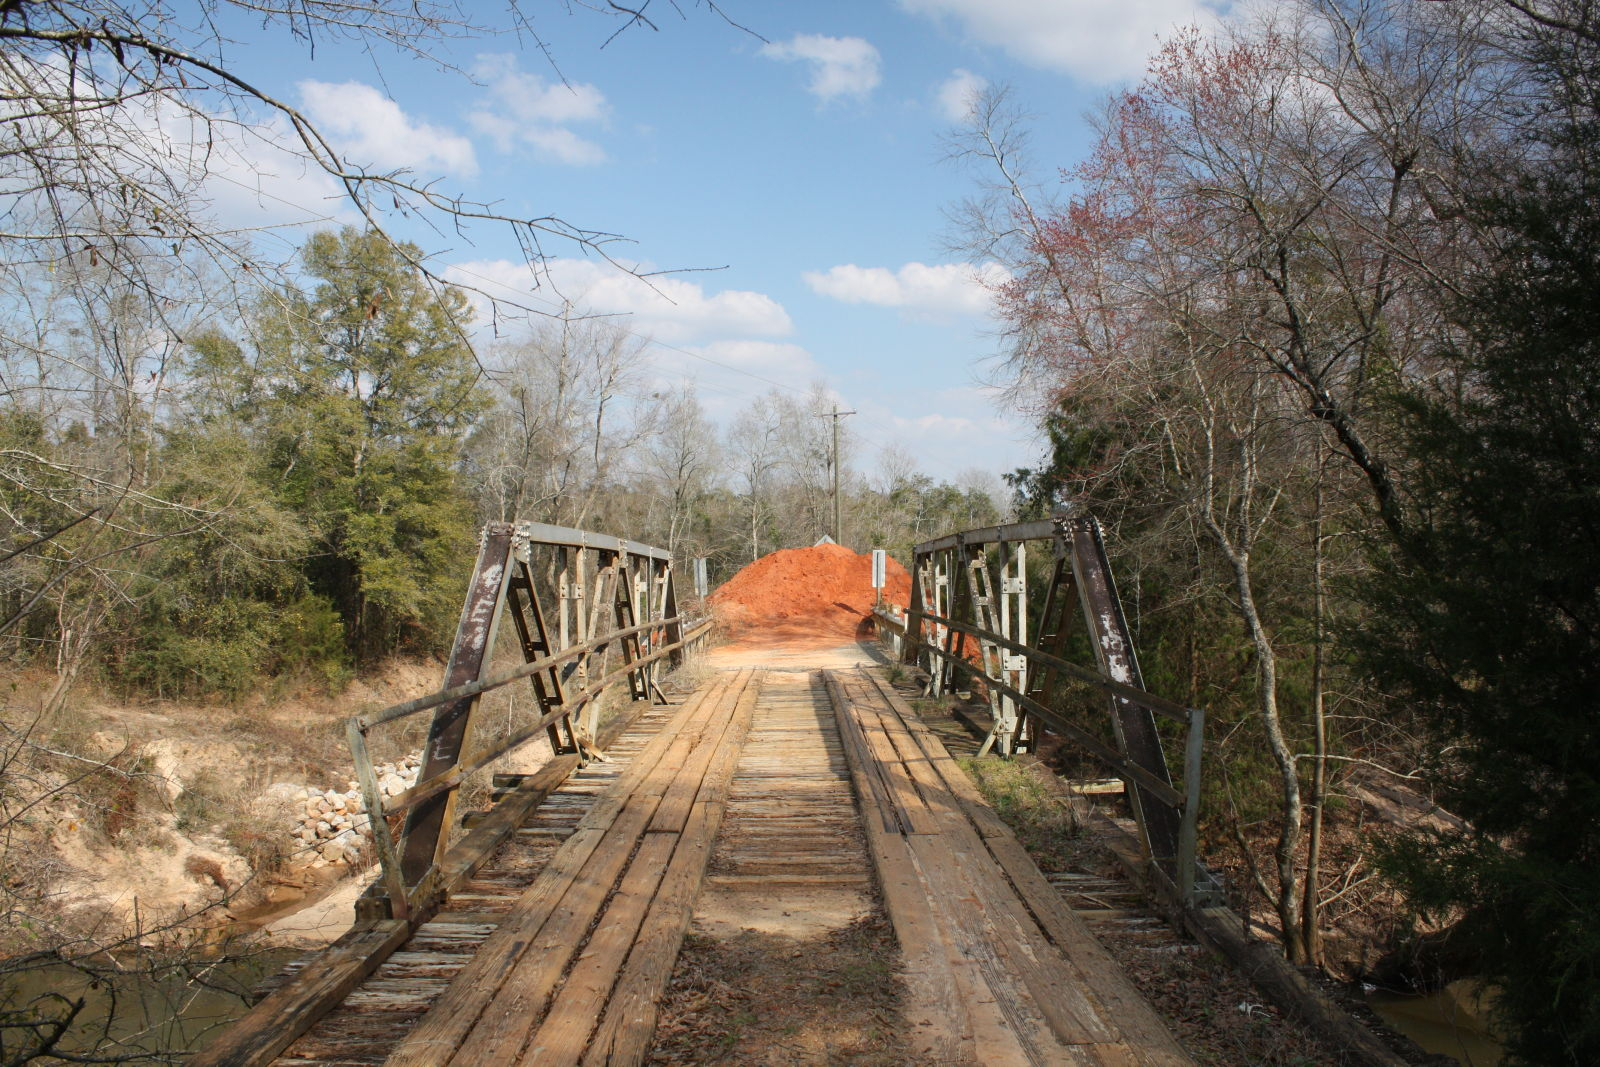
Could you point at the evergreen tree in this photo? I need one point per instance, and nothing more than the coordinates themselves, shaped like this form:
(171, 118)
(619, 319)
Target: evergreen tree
(361, 393)
(1490, 621)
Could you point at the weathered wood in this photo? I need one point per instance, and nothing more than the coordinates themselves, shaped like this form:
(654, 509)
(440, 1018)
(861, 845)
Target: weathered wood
(1032, 958)
(452, 1016)
(1104, 983)
(623, 1036)
(562, 1036)
(1017, 970)
(274, 1023)
(488, 1014)
(504, 1011)
(941, 1028)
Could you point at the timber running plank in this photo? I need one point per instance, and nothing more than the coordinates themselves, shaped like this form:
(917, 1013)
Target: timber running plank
(574, 972)
(1000, 969)
(378, 1010)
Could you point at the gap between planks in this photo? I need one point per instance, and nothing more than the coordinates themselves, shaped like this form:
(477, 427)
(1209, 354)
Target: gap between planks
(1004, 972)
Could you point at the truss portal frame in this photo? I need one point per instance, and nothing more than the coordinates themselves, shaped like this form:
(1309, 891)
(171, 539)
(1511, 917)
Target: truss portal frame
(590, 612)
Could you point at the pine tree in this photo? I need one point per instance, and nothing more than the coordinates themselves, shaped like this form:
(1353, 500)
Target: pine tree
(363, 389)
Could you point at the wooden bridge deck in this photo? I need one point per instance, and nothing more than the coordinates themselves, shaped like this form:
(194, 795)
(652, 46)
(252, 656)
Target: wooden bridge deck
(806, 790)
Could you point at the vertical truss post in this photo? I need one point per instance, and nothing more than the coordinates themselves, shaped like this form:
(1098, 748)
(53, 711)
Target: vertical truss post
(625, 608)
(942, 674)
(985, 614)
(426, 835)
(1012, 724)
(1135, 725)
(1055, 616)
(578, 671)
(534, 635)
(669, 610)
(608, 563)
(564, 597)
(916, 607)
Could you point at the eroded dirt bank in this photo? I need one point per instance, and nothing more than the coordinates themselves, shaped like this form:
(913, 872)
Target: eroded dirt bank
(124, 817)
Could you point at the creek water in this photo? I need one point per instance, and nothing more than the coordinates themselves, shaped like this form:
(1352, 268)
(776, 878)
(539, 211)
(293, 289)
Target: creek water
(1450, 1021)
(174, 1010)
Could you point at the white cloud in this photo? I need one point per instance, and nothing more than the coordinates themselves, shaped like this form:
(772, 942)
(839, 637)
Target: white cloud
(565, 146)
(229, 176)
(666, 308)
(523, 108)
(959, 288)
(953, 431)
(1092, 39)
(958, 93)
(727, 366)
(373, 131)
(840, 66)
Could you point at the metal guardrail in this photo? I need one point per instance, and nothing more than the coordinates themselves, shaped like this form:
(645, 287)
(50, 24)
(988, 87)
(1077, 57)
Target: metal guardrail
(380, 807)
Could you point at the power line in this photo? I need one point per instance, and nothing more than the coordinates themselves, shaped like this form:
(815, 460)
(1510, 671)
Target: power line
(835, 415)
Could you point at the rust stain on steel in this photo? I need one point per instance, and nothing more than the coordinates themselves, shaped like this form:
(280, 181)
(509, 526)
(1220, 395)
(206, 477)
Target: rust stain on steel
(1136, 726)
(448, 731)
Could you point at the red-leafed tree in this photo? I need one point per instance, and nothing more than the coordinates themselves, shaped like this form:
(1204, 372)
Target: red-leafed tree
(1248, 261)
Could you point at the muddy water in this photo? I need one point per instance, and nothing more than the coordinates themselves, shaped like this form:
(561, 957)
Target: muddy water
(1450, 1021)
(137, 1013)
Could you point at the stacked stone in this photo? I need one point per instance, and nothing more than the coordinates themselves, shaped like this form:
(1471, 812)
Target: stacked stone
(333, 827)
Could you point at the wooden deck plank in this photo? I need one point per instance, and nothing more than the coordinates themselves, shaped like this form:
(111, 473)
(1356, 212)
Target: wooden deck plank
(1015, 944)
(941, 1030)
(1102, 979)
(452, 1016)
(509, 1011)
(277, 1020)
(1032, 956)
(622, 1038)
(564, 1034)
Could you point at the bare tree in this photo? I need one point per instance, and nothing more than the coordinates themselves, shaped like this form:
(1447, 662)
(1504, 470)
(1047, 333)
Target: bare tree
(753, 447)
(680, 461)
(565, 413)
(1254, 252)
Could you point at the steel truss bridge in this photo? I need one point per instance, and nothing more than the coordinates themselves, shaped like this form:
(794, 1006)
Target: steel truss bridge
(545, 929)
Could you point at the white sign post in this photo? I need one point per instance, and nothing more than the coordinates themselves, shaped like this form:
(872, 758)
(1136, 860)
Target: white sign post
(879, 567)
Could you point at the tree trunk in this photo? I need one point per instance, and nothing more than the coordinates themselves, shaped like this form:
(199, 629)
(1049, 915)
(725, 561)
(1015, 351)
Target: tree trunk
(1311, 933)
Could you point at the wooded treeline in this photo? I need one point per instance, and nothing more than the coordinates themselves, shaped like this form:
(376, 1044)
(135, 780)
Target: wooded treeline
(1314, 327)
(194, 505)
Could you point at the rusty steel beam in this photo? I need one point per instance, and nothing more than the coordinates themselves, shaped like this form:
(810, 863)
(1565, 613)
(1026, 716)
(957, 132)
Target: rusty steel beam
(424, 839)
(545, 534)
(1113, 646)
(988, 612)
(990, 535)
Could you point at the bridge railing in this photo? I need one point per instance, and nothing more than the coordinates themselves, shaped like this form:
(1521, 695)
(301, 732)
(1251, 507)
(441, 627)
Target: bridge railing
(972, 588)
(607, 593)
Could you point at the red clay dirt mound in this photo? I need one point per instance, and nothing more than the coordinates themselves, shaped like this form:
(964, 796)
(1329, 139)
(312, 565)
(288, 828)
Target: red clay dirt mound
(818, 596)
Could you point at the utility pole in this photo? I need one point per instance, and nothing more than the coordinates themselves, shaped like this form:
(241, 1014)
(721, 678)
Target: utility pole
(836, 415)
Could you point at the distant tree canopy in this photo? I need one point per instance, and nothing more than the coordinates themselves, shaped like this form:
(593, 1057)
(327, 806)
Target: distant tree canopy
(362, 391)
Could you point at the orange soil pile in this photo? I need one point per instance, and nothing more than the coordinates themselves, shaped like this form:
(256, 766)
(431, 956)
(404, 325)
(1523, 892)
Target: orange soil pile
(821, 594)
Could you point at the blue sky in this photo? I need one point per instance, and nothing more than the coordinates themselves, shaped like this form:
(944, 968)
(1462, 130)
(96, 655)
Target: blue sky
(806, 163)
